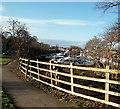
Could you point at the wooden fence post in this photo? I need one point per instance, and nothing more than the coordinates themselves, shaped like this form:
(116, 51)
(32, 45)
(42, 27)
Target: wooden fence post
(38, 69)
(30, 67)
(26, 68)
(28, 63)
(71, 72)
(19, 63)
(107, 85)
(51, 73)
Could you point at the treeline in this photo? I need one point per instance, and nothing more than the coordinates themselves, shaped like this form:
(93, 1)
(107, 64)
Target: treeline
(17, 41)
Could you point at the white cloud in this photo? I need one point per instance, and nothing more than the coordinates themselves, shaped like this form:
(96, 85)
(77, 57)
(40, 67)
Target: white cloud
(69, 22)
(54, 21)
(35, 30)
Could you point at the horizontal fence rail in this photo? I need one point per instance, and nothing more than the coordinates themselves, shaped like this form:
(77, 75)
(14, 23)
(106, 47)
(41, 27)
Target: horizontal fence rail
(44, 73)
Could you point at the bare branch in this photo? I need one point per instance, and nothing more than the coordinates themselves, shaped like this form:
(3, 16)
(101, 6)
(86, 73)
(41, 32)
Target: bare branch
(106, 5)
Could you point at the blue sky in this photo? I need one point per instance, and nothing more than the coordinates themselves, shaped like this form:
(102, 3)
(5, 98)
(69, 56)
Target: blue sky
(76, 22)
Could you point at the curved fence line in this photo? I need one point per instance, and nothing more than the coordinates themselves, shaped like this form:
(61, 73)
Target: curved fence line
(41, 73)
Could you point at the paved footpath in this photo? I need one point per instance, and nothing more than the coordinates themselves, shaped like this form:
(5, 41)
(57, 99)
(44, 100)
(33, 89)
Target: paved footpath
(25, 95)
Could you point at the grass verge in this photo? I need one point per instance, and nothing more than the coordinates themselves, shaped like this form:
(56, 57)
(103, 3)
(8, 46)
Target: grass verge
(5, 59)
(7, 103)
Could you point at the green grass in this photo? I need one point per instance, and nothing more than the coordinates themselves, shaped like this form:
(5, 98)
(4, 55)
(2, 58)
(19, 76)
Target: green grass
(7, 103)
(5, 59)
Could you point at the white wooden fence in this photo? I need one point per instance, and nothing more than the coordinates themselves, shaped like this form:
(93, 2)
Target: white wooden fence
(25, 67)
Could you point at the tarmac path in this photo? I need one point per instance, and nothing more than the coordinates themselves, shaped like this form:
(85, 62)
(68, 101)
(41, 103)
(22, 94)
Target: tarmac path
(25, 95)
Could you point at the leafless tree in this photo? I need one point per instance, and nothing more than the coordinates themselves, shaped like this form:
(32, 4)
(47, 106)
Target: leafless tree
(94, 50)
(20, 36)
(107, 5)
(104, 47)
(112, 39)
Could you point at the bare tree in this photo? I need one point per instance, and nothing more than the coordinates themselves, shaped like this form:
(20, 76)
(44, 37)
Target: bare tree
(111, 36)
(94, 50)
(107, 4)
(21, 37)
(112, 40)
(104, 48)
